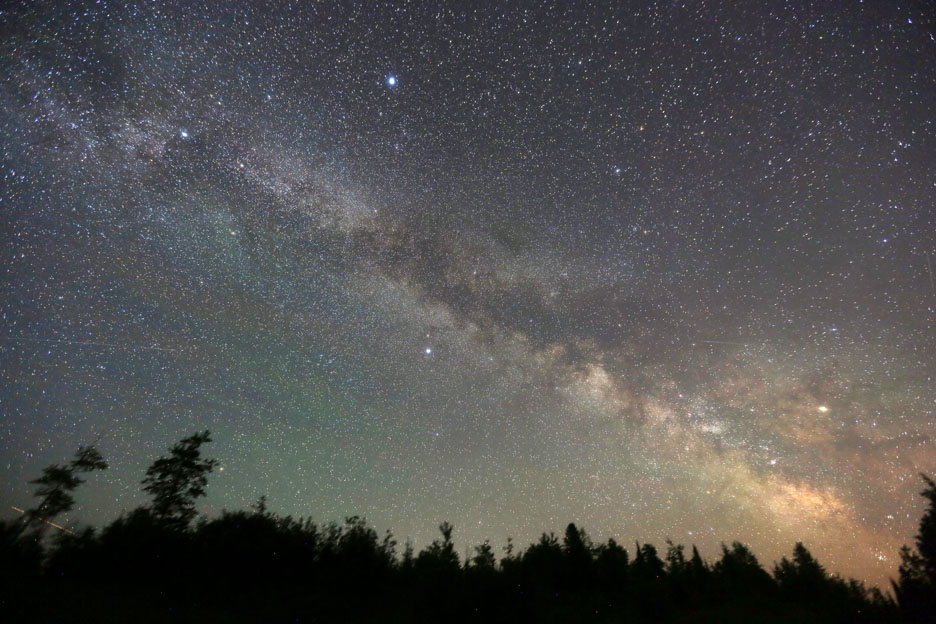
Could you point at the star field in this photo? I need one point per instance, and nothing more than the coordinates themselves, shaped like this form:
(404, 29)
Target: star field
(662, 269)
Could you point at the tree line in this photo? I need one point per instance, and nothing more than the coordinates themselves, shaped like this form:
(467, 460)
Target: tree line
(162, 562)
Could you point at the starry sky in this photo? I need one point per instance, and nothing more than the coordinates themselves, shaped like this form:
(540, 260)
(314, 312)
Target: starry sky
(663, 269)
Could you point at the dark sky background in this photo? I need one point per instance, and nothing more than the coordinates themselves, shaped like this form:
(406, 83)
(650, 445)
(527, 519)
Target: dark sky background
(663, 269)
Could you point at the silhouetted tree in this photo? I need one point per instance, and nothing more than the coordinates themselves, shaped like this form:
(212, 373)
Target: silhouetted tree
(916, 587)
(260, 507)
(20, 567)
(72, 553)
(542, 562)
(138, 548)
(511, 564)
(509, 548)
(612, 559)
(481, 591)
(252, 548)
(483, 558)
(802, 579)
(647, 586)
(57, 484)
(21, 549)
(678, 571)
(407, 559)
(926, 538)
(698, 567)
(362, 553)
(647, 564)
(676, 564)
(437, 572)
(253, 565)
(175, 482)
(577, 548)
(611, 564)
(537, 581)
(440, 555)
(738, 573)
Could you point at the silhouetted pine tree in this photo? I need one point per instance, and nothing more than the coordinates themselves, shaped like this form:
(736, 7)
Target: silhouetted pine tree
(738, 575)
(611, 563)
(541, 567)
(647, 568)
(697, 566)
(440, 555)
(362, 553)
(801, 580)
(438, 574)
(483, 558)
(678, 572)
(577, 549)
(407, 560)
(699, 581)
(916, 587)
(648, 586)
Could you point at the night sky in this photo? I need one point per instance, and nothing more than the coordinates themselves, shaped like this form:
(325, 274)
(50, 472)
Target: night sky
(663, 269)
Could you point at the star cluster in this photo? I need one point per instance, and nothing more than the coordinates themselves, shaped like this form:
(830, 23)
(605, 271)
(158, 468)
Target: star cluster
(663, 269)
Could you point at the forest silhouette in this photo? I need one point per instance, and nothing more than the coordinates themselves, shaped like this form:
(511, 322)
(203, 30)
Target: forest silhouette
(162, 562)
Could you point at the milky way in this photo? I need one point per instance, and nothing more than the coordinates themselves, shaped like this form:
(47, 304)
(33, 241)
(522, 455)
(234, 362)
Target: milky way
(663, 270)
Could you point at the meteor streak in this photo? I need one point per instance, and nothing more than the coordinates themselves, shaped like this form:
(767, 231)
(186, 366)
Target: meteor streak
(49, 522)
(725, 342)
(929, 267)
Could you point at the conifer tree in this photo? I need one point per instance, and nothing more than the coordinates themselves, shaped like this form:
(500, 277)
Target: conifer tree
(442, 553)
(483, 558)
(916, 588)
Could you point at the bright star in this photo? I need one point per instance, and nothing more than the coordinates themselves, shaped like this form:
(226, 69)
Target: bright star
(391, 80)
(428, 350)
